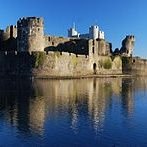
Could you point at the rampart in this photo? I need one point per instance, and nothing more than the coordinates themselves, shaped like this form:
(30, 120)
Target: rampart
(55, 64)
(139, 66)
(134, 66)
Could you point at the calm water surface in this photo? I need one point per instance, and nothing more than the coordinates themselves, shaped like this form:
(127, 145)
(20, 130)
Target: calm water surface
(86, 112)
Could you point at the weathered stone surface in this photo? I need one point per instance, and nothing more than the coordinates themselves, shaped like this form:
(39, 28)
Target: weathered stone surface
(55, 64)
(127, 47)
(30, 33)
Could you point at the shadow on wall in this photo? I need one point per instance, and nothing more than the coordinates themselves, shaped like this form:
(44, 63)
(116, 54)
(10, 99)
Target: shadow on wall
(9, 45)
(79, 46)
(17, 64)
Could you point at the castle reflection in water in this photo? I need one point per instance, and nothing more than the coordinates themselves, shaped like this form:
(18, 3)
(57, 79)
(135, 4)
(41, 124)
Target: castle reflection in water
(27, 104)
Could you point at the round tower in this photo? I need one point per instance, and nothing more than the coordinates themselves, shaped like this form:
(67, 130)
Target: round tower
(93, 32)
(30, 34)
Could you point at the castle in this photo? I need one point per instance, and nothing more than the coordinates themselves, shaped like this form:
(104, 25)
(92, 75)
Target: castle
(76, 55)
(28, 36)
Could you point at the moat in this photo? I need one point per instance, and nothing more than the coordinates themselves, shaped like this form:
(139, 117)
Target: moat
(77, 112)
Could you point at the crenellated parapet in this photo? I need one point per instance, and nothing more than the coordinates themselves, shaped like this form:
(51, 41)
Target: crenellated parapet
(8, 38)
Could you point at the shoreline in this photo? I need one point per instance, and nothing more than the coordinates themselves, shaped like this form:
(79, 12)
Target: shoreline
(70, 77)
(83, 77)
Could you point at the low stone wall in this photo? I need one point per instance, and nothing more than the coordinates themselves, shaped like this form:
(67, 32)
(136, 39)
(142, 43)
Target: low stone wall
(134, 66)
(139, 66)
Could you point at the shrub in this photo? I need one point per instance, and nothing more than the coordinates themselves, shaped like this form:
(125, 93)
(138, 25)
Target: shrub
(38, 59)
(107, 64)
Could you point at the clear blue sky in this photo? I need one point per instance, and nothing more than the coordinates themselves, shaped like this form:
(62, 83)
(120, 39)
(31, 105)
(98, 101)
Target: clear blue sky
(117, 18)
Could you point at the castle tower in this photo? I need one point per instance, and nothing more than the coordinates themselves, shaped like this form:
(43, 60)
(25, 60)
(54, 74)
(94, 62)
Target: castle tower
(101, 35)
(128, 46)
(72, 32)
(93, 32)
(30, 34)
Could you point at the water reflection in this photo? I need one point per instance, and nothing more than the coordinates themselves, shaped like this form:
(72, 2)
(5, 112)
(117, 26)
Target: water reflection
(127, 96)
(27, 104)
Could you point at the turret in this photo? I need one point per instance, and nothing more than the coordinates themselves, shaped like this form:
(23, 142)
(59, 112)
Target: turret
(72, 32)
(101, 35)
(93, 32)
(30, 34)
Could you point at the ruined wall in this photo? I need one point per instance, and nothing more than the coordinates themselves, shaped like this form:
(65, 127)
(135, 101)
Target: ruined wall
(78, 46)
(10, 32)
(100, 47)
(127, 47)
(54, 41)
(61, 44)
(8, 39)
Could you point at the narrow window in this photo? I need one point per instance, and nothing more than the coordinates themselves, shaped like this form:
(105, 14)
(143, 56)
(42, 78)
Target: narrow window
(93, 50)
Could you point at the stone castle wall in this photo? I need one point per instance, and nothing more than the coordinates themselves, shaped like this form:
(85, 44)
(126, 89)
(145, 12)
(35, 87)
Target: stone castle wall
(55, 64)
(10, 32)
(134, 66)
(8, 41)
(139, 66)
(54, 41)
(100, 47)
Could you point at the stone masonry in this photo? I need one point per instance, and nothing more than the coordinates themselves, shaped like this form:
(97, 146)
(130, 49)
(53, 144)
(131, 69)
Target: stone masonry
(25, 50)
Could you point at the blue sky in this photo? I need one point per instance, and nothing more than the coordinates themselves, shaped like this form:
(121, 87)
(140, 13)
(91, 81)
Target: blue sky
(117, 18)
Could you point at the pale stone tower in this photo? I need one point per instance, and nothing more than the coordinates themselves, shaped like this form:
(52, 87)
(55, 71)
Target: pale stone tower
(93, 32)
(30, 33)
(127, 46)
(72, 32)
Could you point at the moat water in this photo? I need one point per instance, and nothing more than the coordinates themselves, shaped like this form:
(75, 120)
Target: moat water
(84, 112)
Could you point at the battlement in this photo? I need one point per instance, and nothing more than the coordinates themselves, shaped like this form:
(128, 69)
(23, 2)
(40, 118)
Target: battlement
(9, 32)
(30, 21)
(8, 28)
(132, 37)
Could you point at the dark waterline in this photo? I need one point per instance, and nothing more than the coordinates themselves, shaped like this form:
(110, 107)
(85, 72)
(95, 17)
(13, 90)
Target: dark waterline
(80, 112)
